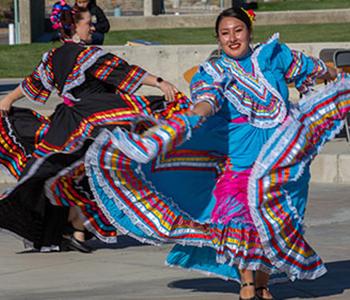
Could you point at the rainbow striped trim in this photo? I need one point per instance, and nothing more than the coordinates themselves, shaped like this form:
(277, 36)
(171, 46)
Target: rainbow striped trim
(38, 86)
(85, 60)
(189, 160)
(136, 105)
(319, 69)
(66, 189)
(132, 80)
(119, 186)
(315, 120)
(277, 243)
(13, 156)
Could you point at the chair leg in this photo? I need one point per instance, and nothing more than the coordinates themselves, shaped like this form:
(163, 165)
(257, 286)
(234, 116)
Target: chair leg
(347, 129)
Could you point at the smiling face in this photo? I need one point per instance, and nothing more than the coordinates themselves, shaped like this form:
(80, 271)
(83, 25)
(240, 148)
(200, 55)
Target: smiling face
(82, 3)
(84, 27)
(233, 37)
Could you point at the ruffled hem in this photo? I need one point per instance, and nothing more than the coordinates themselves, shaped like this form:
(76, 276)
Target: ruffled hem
(13, 156)
(62, 190)
(119, 185)
(204, 261)
(207, 273)
(314, 121)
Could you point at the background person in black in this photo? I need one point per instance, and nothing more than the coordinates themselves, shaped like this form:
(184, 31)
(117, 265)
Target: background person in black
(246, 4)
(99, 20)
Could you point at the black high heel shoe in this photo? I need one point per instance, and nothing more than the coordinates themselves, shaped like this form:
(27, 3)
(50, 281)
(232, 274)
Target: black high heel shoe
(261, 288)
(70, 243)
(244, 285)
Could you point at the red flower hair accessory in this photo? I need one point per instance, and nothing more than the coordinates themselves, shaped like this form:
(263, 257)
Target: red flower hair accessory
(251, 14)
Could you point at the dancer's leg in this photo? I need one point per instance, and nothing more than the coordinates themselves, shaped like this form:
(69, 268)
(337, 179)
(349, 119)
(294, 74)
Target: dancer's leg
(261, 282)
(75, 239)
(247, 285)
(77, 224)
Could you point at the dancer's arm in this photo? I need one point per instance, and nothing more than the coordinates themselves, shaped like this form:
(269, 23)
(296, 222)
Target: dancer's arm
(128, 78)
(9, 99)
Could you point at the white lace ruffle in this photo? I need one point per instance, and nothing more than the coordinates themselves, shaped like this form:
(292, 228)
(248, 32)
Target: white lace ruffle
(81, 77)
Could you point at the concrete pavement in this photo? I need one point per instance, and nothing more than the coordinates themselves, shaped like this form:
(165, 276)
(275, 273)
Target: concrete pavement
(131, 271)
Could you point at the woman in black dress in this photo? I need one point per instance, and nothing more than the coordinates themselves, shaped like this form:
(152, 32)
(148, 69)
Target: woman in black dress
(97, 92)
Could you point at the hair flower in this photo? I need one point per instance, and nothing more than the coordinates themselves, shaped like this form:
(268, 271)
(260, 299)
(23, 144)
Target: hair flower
(251, 14)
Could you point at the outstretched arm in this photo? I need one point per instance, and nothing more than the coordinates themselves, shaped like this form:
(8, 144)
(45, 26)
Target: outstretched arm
(9, 99)
(128, 78)
(303, 70)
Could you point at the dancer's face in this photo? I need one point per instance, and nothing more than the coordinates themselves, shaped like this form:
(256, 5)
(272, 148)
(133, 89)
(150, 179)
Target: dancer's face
(82, 3)
(84, 28)
(233, 37)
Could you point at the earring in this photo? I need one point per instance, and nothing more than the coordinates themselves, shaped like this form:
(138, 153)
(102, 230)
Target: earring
(76, 38)
(251, 44)
(219, 50)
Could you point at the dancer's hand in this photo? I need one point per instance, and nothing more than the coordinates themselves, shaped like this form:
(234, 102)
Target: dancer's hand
(333, 72)
(5, 105)
(8, 100)
(168, 89)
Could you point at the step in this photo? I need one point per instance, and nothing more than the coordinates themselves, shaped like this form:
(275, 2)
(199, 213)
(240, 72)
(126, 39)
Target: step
(332, 165)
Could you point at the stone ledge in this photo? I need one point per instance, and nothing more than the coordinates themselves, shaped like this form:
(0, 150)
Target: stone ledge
(208, 20)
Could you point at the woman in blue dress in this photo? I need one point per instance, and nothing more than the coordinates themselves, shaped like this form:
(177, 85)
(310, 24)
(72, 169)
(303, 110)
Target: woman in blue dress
(228, 180)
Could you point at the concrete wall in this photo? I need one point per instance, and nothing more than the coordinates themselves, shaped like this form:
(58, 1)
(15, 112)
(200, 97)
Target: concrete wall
(137, 5)
(171, 61)
(32, 20)
(25, 26)
(161, 21)
(208, 20)
(303, 17)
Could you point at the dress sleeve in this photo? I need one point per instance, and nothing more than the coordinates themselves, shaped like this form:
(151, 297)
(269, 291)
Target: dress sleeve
(301, 69)
(204, 87)
(117, 72)
(39, 85)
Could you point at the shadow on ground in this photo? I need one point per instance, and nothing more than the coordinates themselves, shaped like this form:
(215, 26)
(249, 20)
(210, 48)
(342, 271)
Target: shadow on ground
(335, 282)
(123, 242)
(5, 88)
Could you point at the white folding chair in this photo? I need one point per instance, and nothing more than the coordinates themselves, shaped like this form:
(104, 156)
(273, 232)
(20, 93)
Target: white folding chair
(327, 55)
(341, 60)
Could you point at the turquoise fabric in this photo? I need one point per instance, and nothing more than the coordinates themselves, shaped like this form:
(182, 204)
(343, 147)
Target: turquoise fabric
(186, 185)
(241, 142)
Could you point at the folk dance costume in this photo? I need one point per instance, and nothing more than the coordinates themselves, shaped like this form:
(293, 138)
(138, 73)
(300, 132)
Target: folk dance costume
(97, 91)
(231, 193)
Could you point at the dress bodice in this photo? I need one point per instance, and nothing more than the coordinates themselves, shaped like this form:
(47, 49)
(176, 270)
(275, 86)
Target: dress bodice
(250, 97)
